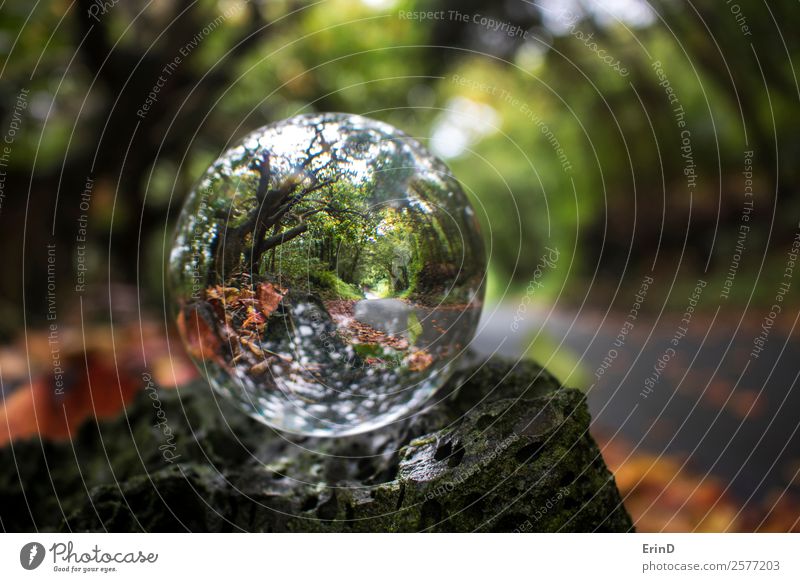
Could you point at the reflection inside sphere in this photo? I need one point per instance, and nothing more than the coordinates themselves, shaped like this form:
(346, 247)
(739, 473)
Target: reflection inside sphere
(326, 273)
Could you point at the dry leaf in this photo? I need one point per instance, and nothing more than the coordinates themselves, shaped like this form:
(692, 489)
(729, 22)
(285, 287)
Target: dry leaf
(201, 341)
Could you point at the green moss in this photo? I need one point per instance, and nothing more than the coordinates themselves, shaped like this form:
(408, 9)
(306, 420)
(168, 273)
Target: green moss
(332, 285)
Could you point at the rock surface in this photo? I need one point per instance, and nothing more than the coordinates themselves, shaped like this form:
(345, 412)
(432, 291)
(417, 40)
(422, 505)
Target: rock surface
(506, 449)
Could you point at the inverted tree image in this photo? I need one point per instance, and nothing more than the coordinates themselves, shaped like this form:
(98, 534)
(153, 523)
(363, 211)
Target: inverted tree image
(328, 263)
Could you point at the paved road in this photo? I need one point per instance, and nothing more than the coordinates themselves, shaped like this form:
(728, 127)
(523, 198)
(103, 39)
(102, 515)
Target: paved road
(394, 317)
(709, 401)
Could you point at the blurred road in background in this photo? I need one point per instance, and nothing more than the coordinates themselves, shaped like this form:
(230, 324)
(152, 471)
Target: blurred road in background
(712, 444)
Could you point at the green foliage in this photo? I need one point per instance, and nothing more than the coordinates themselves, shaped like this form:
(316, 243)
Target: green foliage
(335, 286)
(549, 98)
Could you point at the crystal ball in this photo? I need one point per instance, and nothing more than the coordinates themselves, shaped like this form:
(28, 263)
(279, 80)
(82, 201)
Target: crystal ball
(326, 274)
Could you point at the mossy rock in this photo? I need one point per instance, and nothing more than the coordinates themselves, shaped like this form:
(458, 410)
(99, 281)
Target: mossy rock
(505, 449)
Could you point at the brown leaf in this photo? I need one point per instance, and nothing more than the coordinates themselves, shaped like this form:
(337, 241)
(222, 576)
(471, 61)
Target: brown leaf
(201, 341)
(269, 297)
(254, 320)
(419, 361)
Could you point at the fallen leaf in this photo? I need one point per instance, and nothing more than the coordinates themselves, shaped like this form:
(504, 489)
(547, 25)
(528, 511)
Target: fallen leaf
(419, 361)
(269, 297)
(254, 320)
(201, 341)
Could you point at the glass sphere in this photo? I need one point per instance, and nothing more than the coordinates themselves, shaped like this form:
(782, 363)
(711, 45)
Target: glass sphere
(326, 273)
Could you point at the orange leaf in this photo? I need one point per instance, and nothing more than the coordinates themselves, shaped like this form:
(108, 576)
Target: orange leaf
(269, 297)
(201, 341)
(254, 319)
(419, 361)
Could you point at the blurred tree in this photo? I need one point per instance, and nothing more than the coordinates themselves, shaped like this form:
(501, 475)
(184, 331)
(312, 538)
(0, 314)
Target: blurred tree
(142, 97)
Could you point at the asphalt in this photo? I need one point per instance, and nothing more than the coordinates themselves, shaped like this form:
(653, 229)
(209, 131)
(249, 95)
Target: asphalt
(709, 403)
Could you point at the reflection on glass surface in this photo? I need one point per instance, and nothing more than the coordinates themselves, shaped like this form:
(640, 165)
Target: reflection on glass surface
(326, 273)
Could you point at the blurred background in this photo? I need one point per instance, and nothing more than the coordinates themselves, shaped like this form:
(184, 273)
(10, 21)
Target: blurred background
(633, 164)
